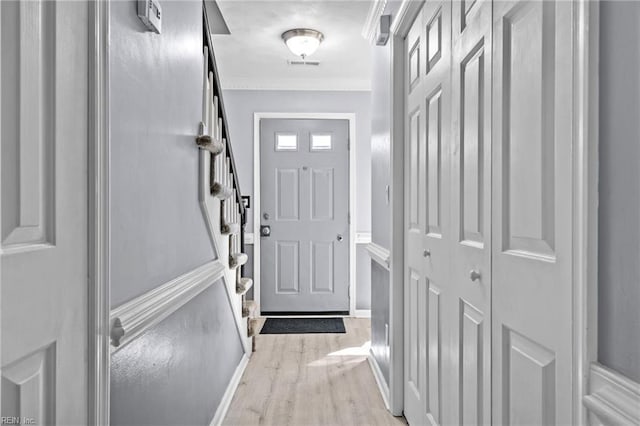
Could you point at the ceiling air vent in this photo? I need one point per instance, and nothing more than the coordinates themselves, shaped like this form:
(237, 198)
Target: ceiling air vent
(308, 63)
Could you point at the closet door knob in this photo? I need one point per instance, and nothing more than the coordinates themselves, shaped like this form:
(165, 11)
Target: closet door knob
(474, 275)
(426, 253)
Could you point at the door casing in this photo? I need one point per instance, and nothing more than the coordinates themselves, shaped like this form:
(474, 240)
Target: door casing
(99, 356)
(584, 202)
(351, 118)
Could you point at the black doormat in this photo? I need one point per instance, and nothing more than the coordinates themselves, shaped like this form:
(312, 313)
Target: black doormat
(302, 325)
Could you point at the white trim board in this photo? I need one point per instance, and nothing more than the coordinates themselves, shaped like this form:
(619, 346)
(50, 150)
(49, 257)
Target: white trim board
(361, 238)
(225, 402)
(377, 374)
(585, 199)
(613, 399)
(289, 84)
(373, 17)
(149, 309)
(351, 117)
(98, 301)
(380, 254)
(362, 313)
(400, 26)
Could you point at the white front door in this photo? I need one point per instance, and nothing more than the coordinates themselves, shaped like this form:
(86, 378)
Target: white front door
(532, 217)
(43, 204)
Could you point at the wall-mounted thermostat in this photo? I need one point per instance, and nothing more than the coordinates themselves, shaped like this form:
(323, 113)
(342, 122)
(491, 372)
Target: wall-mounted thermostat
(150, 13)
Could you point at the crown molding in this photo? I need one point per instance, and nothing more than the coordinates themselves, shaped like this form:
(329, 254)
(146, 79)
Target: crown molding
(404, 17)
(373, 18)
(312, 84)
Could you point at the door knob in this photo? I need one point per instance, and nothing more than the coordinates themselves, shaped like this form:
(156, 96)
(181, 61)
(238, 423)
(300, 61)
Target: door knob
(339, 238)
(426, 253)
(474, 275)
(265, 230)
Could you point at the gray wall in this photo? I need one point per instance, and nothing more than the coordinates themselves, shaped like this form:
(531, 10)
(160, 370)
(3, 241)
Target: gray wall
(363, 278)
(381, 146)
(619, 192)
(177, 372)
(380, 208)
(241, 106)
(380, 280)
(157, 229)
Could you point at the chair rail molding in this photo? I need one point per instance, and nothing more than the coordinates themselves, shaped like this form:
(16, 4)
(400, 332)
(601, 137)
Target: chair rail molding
(380, 254)
(613, 399)
(363, 237)
(145, 311)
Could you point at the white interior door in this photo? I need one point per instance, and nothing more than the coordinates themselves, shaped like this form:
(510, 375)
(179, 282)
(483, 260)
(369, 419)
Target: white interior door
(470, 276)
(532, 217)
(43, 204)
(427, 287)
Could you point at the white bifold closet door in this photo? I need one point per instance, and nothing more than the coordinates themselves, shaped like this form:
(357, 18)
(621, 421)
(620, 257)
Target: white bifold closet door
(488, 291)
(428, 290)
(532, 218)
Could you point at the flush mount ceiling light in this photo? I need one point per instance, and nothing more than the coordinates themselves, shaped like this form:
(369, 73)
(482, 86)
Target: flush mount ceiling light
(302, 41)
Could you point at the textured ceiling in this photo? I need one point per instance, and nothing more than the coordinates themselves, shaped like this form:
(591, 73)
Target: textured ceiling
(254, 56)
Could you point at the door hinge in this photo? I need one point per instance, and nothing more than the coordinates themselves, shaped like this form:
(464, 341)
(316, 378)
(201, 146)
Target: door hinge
(349, 218)
(348, 144)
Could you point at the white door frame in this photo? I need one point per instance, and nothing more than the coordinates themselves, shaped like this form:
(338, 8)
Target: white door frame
(584, 185)
(99, 216)
(351, 117)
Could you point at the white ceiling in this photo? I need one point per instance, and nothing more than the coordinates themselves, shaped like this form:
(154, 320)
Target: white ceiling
(255, 57)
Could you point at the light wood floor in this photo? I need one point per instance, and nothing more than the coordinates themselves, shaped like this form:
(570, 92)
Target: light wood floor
(311, 379)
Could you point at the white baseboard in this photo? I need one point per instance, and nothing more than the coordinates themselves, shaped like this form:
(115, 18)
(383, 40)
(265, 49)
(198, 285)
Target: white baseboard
(225, 402)
(613, 399)
(362, 313)
(377, 374)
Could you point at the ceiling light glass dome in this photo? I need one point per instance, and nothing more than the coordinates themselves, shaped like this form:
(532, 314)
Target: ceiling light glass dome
(302, 42)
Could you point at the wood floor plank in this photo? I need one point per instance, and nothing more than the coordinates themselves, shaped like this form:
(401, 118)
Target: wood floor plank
(309, 380)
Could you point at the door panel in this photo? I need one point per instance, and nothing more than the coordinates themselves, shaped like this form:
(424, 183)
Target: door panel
(288, 193)
(428, 51)
(471, 213)
(305, 199)
(43, 204)
(532, 288)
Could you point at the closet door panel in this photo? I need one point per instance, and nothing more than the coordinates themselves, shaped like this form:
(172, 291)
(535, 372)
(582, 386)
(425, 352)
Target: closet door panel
(470, 272)
(532, 280)
(427, 153)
